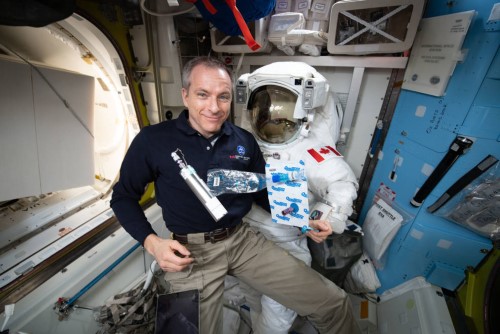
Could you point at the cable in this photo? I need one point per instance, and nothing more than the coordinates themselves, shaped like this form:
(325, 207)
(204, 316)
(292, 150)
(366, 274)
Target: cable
(84, 307)
(99, 277)
(149, 278)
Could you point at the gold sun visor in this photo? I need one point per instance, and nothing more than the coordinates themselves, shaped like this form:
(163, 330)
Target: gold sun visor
(271, 110)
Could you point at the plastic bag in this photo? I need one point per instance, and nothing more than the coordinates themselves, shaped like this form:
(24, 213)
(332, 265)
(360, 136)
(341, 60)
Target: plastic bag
(227, 181)
(477, 206)
(334, 257)
(362, 277)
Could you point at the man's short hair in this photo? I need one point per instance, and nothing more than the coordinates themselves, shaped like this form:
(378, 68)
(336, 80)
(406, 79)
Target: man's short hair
(207, 61)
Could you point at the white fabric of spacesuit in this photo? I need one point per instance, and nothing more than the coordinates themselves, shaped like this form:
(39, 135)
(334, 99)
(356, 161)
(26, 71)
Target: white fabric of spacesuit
(330, 181)
(301, 27)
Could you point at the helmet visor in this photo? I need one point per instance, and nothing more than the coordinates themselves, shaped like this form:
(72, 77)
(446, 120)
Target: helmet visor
(271, 111)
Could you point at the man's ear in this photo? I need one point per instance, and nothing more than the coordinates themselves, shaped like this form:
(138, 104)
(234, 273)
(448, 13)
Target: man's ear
(184, 94)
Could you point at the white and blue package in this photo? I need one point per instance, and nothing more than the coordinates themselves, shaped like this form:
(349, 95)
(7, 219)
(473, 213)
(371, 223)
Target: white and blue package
(227, 181)
(287, 191)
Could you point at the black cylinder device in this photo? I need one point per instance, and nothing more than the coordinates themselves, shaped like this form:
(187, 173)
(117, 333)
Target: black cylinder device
(459, 146)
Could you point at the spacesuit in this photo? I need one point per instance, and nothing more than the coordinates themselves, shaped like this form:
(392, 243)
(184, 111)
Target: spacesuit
(296, 117)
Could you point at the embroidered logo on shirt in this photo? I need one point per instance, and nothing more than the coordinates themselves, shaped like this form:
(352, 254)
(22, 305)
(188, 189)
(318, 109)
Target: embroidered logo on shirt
(241, 153)
(241, 150)
(324, 153)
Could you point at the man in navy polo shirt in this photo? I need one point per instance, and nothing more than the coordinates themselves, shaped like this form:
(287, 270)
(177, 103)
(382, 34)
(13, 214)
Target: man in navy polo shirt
(203, 250)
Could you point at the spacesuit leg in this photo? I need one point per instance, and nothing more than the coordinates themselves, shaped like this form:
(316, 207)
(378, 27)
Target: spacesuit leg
(274, 318)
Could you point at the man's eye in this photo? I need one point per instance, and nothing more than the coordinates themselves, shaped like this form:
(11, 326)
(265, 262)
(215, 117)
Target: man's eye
(202, 95)
(224, 97)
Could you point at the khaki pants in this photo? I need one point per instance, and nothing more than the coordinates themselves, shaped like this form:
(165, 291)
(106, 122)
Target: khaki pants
(269, 269)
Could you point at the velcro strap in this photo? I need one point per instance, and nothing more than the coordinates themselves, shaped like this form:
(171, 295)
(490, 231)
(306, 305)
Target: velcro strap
(252, 44)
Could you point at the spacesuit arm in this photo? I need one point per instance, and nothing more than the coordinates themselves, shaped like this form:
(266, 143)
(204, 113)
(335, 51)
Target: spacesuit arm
(336, 187)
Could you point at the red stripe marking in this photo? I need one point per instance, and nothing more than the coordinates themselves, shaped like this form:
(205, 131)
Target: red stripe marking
(315, 155)
(337, 153)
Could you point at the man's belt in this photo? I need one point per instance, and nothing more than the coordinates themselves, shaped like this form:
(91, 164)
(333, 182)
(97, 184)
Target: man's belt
(212, 236)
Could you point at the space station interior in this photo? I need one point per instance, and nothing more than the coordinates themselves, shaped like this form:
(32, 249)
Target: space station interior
(401, 97)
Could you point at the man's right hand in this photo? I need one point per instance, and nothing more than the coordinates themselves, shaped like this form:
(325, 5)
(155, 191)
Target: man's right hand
(170, 255)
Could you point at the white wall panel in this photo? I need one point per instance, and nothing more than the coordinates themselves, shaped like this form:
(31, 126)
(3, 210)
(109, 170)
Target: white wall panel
(44, 146)
(65, 140)
(18, 153)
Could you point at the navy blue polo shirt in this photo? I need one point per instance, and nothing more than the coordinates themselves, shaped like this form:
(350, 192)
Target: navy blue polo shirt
(149, 159)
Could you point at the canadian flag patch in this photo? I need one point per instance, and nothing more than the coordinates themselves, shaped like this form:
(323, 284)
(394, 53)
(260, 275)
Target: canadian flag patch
(323, 153)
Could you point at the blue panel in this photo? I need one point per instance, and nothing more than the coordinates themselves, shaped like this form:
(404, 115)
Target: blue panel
(492, 25)
(428, 121)
(431, 121)
(488, 95)
(410, 266)
(438, 7)
(445, 276)
(415, 158)
(420, 134)
(413, 264)
(444, 240)
(483, 122)
(494, 72)
(483, 119)
(430, 248)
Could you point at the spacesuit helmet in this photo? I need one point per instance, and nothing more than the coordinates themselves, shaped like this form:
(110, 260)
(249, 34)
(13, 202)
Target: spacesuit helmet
(282, 97)
(271, 111)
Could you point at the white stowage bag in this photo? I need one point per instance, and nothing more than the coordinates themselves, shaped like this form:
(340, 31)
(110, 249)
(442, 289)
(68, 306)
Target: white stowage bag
(232, 321)
(381, 225)
(362, 277)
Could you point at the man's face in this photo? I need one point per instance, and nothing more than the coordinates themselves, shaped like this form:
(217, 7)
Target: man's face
(208, 99)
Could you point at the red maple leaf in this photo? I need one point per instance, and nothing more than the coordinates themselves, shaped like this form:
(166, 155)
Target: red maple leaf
(324, 150)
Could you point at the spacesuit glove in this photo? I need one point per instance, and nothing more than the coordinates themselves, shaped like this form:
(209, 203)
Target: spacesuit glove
(336, 218)
(338, 224)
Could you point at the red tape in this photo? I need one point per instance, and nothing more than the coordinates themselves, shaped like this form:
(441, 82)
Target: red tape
(252, 44)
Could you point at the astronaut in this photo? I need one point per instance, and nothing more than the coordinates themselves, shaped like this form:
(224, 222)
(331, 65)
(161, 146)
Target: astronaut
(296, 117)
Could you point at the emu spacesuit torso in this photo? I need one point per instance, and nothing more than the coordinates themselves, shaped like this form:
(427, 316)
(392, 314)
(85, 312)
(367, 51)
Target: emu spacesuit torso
(295, 117)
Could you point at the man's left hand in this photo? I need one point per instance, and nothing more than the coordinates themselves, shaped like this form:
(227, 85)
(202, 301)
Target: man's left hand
(320, 230)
